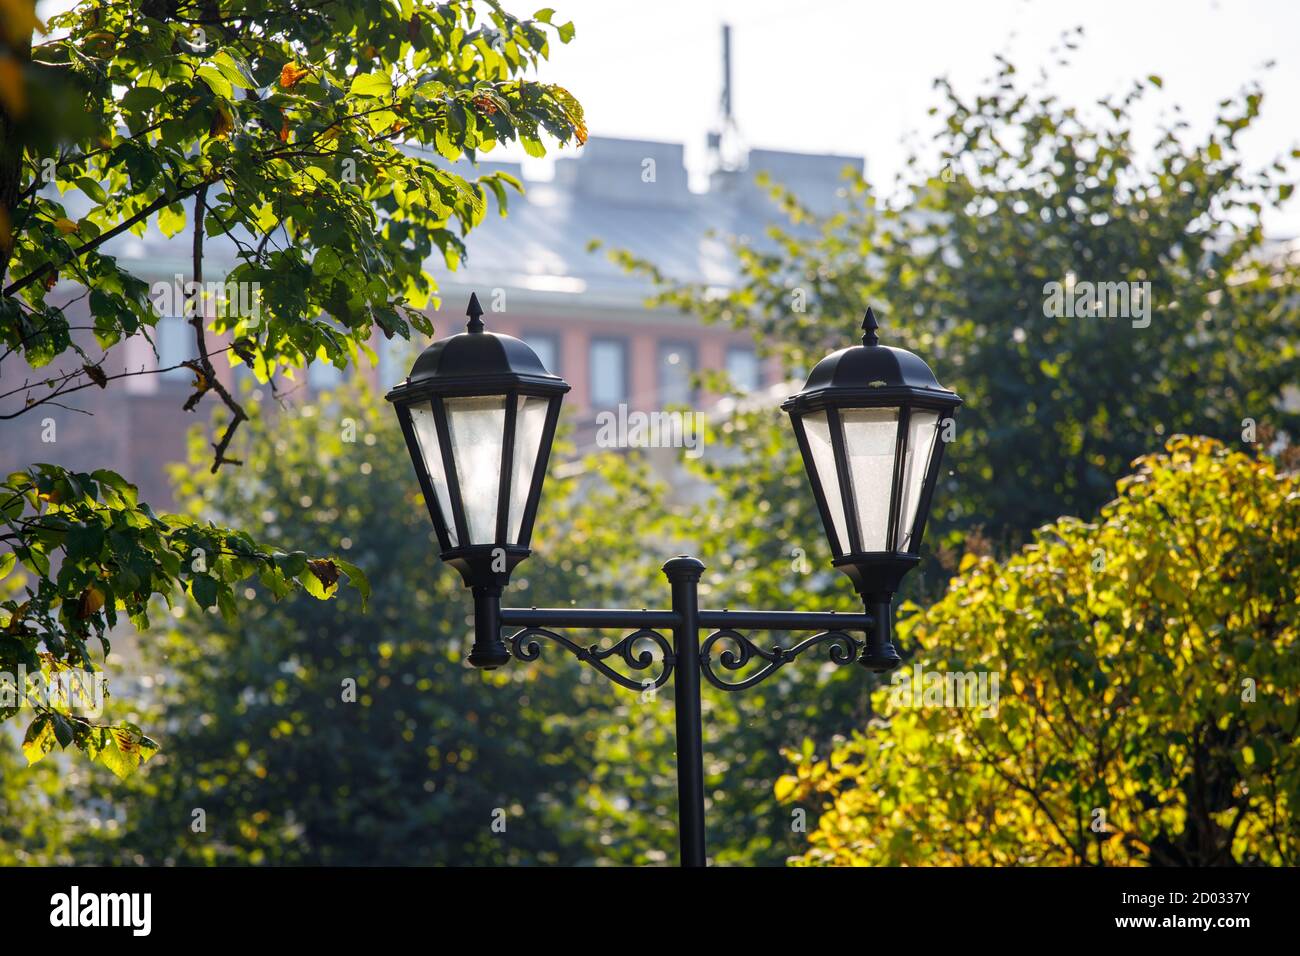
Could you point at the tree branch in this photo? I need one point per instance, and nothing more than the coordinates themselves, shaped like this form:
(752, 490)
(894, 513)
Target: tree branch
(61, 391)
(41, 271)
(237, 413)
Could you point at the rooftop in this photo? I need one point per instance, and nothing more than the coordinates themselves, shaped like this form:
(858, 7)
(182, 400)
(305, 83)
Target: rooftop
(630, 194)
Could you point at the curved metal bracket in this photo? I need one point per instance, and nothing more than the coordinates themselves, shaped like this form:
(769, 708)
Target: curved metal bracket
(844, 649)
(596, 657)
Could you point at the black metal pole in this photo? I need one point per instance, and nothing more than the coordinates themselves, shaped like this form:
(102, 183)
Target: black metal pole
(489, 651)
(684, 575)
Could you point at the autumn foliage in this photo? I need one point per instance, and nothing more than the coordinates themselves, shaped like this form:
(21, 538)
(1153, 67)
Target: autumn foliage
(1149, 703)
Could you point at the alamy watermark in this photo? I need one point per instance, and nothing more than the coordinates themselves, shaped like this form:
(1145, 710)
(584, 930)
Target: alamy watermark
(1073, 299)
(68, 691)
(978, 690)
(661, 429)
(230, 299)
(133, 911)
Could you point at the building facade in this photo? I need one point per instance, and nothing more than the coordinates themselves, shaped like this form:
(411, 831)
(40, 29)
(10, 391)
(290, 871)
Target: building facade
(534, 272)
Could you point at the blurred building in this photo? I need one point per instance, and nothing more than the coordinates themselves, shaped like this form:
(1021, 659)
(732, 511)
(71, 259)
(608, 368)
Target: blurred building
(534, 274)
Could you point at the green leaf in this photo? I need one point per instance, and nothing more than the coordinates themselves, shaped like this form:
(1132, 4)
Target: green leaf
(140, 99)
(291, 564)
(372, 85)
(92, 189)
(171, 219)
(62, 729)
(9, 559)
(217, 81)
(274, 581)
(357, 578)
(226, 604)
(37, 560)
(204, 590)
(313, 586)
(124, 748)
(381, 120)
(232, 71)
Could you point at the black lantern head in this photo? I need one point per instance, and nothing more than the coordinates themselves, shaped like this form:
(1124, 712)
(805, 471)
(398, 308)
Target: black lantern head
(479, 411)
(871, 423)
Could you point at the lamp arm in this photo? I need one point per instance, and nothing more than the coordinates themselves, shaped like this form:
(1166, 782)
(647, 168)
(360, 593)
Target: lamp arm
(541, 624)
(538, 623)
(843, 649)
(524, 646)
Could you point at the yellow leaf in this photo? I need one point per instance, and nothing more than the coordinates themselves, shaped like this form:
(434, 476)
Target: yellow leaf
(785, 785)
(92, 599)
(222, 122)
(13, 91)
(39, 740)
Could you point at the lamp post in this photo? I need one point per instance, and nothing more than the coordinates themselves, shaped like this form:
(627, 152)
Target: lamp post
(479, 412)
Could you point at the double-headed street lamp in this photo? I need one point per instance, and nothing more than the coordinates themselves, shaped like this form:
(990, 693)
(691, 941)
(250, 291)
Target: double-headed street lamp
(479, 412)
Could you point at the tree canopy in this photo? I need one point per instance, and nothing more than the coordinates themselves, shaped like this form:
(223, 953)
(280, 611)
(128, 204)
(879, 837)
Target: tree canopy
(301, 139)
(1148, 707)
(958, 260)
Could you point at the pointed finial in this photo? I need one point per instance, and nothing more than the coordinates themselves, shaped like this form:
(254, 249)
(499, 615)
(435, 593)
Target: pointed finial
(869, 326)
(475, 323)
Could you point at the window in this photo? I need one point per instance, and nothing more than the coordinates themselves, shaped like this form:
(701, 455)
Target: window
(174, 339)
(608, 372)
(547, 347)
(743, 368)
(676, 371)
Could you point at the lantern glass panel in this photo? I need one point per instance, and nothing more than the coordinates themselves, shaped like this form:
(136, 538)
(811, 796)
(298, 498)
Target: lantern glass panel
(426, 436)
(870, 443)
(530, 422)
(477, 428)
(923, 431)
(817, 430)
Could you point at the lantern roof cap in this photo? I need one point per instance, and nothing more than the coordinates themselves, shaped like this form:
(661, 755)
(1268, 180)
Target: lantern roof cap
(871, 373)
(477, 361)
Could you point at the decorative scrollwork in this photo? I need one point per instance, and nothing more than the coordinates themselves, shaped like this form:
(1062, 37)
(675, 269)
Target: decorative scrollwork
(843, 647)
(524, 649)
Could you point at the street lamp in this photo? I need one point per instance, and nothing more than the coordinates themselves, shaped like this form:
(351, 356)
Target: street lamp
(869, 422)
(479, 411)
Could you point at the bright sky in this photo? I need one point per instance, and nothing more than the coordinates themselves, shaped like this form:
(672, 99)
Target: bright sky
(854, 77)
(850, 76)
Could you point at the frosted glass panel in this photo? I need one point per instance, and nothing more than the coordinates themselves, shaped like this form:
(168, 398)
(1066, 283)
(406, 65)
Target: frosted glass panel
(870, 437)
(922, 429)
(530, 419)
(477, 426)
(426, 436)
(818, 433)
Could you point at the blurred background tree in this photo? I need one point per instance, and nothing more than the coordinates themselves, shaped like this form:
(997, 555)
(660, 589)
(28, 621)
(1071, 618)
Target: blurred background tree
(263, 732)
(956, 262)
